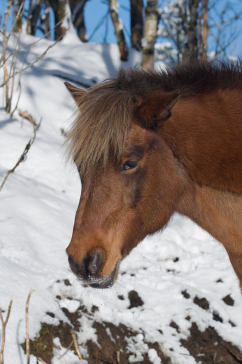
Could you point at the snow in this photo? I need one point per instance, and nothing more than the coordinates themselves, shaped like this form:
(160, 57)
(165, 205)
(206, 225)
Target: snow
(153, 356)
(37, 209)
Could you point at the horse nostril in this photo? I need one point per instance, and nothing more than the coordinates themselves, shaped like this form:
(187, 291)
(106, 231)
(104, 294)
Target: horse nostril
(93, 262)
(74, 265)
(90, 266)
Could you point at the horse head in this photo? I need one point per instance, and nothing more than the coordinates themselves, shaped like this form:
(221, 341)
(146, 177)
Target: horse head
(130, 178)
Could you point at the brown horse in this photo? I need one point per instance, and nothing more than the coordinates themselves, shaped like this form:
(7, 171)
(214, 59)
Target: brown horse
(147, 145)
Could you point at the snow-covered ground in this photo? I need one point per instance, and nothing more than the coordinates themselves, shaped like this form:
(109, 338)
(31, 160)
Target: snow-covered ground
(37, 208)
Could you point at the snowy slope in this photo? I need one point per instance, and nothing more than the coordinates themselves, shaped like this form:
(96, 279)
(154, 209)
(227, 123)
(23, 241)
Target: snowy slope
(37, 208)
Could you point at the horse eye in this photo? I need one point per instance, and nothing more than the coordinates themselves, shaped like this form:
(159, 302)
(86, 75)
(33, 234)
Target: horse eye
(129, 165)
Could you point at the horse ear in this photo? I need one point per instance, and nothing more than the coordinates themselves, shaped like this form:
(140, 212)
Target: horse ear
(75, 92)
(156, 108)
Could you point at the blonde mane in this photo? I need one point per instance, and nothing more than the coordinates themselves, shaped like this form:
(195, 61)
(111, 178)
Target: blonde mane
(100, 127)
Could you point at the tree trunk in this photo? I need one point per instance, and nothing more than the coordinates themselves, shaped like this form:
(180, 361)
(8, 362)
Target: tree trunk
(77, 9)
(61, 22)
(191, 47)
(137, 23)
(35, 14)
(28, 20)
(18, 9)
(46, 22)
(118, 27)
(205, 29)
(150, 33)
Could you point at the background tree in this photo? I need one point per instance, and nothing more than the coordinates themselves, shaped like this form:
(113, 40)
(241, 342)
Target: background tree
(174, 31)
(191, 50)
(195, 28)
(18, 7)
(181, 24)
(205, 29)
(77, 10)
(150, 33)
(35, 9)
(62, 17)
(136, 23)
(118, 27)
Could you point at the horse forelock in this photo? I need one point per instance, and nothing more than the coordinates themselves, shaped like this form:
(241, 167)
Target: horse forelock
(100, 127)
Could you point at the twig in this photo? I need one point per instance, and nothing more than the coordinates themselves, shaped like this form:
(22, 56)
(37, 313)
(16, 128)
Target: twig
(4, 58)
(18, 16)
(12, 70)
(66, 351)
(233, 351)
(29, 65)
(22, 157)
(6, 16)
(19, 94)
(26, 115)
(41, 360)
(34, 42)
(4, 54)
(29, 45)
(4, 324)
(73, 334)
(56, 346)
(27, 326)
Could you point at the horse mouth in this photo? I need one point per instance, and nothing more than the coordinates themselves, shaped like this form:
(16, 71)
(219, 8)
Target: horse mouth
(103, 282)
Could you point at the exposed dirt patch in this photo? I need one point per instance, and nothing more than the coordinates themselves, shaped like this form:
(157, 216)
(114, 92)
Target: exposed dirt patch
(201, 302)
(186, 294)
(116, 343)
(228, 300)
(135, 299)
(114, 346)
(208, 347)
(113, 343)
(42, 346)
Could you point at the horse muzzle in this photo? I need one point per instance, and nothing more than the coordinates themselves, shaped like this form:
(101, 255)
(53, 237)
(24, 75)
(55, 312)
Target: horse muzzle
(89, 270)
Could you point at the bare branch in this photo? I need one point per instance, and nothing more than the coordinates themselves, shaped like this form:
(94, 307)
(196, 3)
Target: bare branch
(79, 19)
(4, 58)
(29, 44)
(7, 13)
(205, 29)
(73, 334)
(26, 115)
(99, 24)
(18, 98)
(5, 70)
(29, 65)
(42, 361)
(4, 325)
(23, 155)
(66, 351)
(27, 326)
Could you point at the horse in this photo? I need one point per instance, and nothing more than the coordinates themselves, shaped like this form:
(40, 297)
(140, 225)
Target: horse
(148, 144)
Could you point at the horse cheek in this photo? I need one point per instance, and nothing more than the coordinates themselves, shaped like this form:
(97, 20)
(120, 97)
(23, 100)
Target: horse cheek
(163, 190)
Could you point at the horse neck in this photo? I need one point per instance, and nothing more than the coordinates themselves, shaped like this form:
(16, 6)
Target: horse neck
(219, 213)
(204, 133)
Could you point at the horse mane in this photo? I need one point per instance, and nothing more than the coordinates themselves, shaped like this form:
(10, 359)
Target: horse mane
(105, 111)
